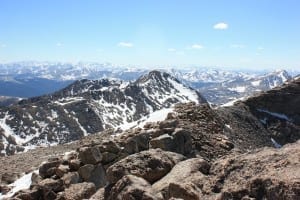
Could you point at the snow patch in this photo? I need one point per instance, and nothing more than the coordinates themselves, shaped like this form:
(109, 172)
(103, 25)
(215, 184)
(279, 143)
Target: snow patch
(155, 116)
(278, 115)
(238, 89)
(189, 93)
(255, 83)
(21, 184)
(275, 144)
(228, 126)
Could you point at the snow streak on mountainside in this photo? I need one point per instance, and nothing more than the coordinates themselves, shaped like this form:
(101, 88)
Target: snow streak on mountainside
(87, 107)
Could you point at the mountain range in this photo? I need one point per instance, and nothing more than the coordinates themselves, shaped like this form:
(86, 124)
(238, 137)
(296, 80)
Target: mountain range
(31, 79)
(246, 150)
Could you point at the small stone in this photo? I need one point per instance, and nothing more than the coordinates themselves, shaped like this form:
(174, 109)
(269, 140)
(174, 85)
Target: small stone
(74, 165)
(61, 170)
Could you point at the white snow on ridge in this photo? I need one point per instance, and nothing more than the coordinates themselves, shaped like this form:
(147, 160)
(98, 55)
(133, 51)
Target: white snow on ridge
(155, 116)
(278, 115)
(183, 90)
(238, 89)
(65, 101)
(256, 83)
(231, 103)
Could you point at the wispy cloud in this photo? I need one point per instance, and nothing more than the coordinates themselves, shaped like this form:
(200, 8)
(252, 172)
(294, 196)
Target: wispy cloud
(59, 44)
(3, 45)
(221, 26)
(238, 46)
(197, 46)
(125, 44)
(171, 49)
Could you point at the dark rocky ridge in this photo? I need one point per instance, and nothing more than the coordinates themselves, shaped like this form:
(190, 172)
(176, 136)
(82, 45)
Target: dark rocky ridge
(277, 112)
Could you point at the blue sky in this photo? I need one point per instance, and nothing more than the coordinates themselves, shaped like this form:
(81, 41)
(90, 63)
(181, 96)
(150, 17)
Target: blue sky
(232, 33)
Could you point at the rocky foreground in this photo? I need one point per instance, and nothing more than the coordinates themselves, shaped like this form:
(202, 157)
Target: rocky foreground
(193, 154)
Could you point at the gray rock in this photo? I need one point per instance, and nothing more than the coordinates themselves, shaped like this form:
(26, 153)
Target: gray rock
(181, 176)
(109, 146)
(171, 123)
(182, 141)
(132, 187)
(74, 165)
(150, 165)
(61, 170)
(137, 143)
(51, 185)
(79, 191)
(95, 174)
(85, 171)
(47, 169)
(90, 155)
(164, 142)
(108, 157)
(28, 194)
(99, 195)
(71, 178)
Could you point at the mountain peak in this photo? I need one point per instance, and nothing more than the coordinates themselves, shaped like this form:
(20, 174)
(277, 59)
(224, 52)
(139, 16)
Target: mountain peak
(154, 75)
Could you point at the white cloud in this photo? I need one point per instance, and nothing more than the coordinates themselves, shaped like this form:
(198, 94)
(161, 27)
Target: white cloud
(238, 46)
(221, 26)
(197, 46)
(3, 45)
(125, 44)
(171, 49)
(59, 44)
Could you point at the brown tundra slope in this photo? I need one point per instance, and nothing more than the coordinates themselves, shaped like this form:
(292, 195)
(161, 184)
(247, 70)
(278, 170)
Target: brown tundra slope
(196, 153)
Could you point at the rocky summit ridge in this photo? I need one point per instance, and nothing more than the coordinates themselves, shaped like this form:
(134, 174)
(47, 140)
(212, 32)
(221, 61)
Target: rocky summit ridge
(195, 153)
